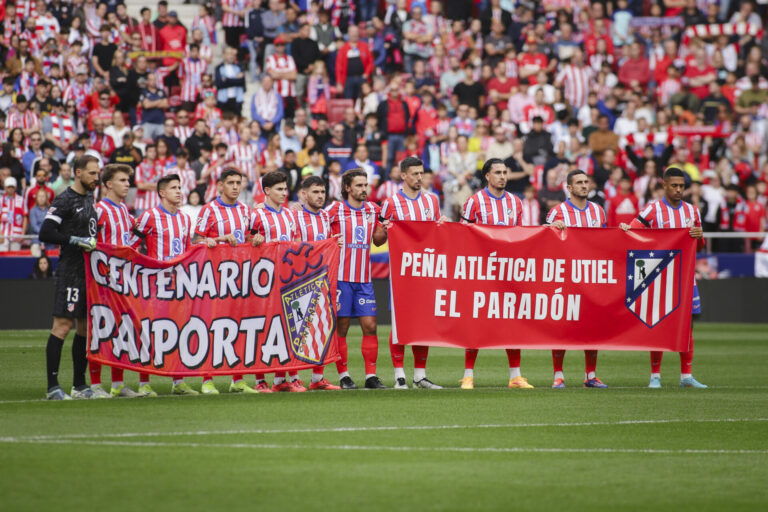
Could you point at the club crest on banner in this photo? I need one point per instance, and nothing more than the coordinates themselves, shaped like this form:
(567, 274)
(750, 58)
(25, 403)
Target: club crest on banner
(310, 316)
(653, 284)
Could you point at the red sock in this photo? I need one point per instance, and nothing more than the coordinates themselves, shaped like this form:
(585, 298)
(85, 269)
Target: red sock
(237, 378)
(370, 350)
(259, 376)
(397, 352)
(656, 361)
(207, 377)
(590, 360)
(686, 358)
(341, 364)
(280, 375)
(513, 356)
(557, 360)
(470, 356)
(420, 356)
(293, 373)
(117, 374)
(95, 371)
(143, 378)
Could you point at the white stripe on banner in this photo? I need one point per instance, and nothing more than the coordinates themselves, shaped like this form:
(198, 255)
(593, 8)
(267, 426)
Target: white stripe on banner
(656, 300)
(670, 287)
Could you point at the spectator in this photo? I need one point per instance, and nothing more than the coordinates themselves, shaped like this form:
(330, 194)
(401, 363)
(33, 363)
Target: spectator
(354, 64)
(37, 213)
(230, 82)
(537, 148)
(305, 53)
(336, 149)
(154, 101)
(13, 221)
(636, 71)
(64, 180)
(42, 268)
(393, 120)
(282, 68)
(267, 106)
(254, 31)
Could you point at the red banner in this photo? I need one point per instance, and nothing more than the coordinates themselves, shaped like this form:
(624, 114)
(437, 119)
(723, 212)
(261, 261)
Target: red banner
(222, 311)
(582, 288)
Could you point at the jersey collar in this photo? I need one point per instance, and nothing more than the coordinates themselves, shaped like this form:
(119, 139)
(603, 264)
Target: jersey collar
(267, 207)
(487, 191)
(664, 200)
(310, 212)
(108, 200)
(162, 209)
(576, 207)
(400, 192)
(222, 203)
(353, 208)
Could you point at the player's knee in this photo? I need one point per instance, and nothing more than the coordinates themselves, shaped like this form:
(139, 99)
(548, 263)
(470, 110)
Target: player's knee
(61, 327)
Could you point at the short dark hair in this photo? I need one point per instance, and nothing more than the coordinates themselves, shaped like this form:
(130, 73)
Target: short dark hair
(227, 173)
(410, 161)
(163, 182)
(273, 178)
(348, 177)
(312, 181)
(83, 161)
(674, 172)
(573, 174)
(111, 170)
(182, 153)
(490, 163)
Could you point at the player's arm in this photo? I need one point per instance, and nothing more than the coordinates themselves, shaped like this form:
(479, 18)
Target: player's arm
(555, 219)
(256, 229)
(50, 231)
(468, 212)
(143, 228)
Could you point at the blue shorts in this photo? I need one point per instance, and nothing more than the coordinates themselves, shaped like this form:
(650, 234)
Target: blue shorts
(696, 300)
(355, 299)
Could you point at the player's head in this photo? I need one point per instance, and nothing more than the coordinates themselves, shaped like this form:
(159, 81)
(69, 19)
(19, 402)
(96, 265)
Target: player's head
(412, 171)
(275, 186)
(495, 173)
(230, 184)
(313, 192)
(577, 183)
(674, 184)
(117, 179)
(354, 184)
(87, 171)
(169, 189)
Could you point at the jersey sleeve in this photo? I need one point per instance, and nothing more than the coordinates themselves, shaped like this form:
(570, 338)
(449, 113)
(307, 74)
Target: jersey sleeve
(145, 226)
(387, 209)
(519, 210)
(257, 227)
(436, 205)
(203, 224)
(644, 218)
(59, 209)
(470, 211)
(603, 218)
(555, 214)
(333, 217)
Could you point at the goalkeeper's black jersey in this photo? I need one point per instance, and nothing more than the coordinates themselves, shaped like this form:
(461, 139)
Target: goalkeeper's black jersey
(76, 216)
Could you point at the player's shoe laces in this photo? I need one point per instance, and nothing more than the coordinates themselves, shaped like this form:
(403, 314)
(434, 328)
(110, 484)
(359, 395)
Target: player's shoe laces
(297, 386)
(209, 388)
(99, 392)
(323, 385)
(519, 383)
(467, 383)
(400, 383)
(655, 383)
(690, 382)
(182, 388)
(425, 383)
(240, 386)
(347, 383)
(57, 394)
(146, 390)
(283, 387)
(262, 387)
(124, 391)
(558, 384)
(374, 383)
(81, 394)
(594, 383)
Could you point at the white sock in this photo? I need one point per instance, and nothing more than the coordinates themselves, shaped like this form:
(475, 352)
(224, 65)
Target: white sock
(655, 375)
(590, 375)
(343, 374)
(419, 374)
(369, 375)
(279, 380)
(176, 382)
(685, 376)
(316, 377)
(294, 378)
(514, 373)
(469, 372)
(116, 385)
(559, 375)
(399, 373)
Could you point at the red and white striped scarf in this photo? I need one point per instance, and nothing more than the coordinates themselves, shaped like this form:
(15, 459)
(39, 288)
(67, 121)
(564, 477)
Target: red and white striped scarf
(62, 127)
(10, 27)
(722, 29)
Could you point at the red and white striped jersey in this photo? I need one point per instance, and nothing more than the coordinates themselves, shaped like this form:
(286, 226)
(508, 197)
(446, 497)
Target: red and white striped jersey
(273, 225)
(26, 121)
(425, 207)
(166, 235)
(78, 93)
(147, 172)
(245, 157)
(74, 62)
(531, 212)
(285, 88)
(487, 209)
(660, 215)
(32, 39)
(47, 27)
(11, 215)
(218, 218)
(189, 91)
(576, 82)
(49, 60)
(114, 223)
(356, 227)
(193, 70)
(229, 137)
(386, 190)
(26, 8)
(61, 83)
(312, 227)
(232, 20)
(592, 216)
(183, 133)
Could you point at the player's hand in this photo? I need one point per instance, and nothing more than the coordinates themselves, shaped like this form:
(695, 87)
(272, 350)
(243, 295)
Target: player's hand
(624, 226)
(231, 240)
(258, 206)
(257, 240)
(85, 243)
(211, 243)
(339, 240)
(442, 220)
(386, 224)
(696, 232)
(296, 206)
(559, 225)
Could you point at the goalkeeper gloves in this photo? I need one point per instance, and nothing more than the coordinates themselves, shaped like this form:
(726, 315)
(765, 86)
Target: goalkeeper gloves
(85, 243)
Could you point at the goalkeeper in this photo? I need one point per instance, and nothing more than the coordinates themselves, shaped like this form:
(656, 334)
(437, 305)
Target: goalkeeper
(71, 223)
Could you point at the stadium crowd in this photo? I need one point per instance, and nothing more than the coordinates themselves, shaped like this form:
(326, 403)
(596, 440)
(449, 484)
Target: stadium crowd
(620, 89)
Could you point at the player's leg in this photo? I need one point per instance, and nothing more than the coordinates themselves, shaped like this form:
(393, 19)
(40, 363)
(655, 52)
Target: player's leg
(590, 370)
(397, 352)
(516, 380)
(296, 383)
(686, 368)
(370, 350)
(468, 381)
(119, 388)
(144, 387)
(655, 382)
(344, 300)
(420, 379)
(59, 331)
(80, 388)
(557, 365)
(208, 388)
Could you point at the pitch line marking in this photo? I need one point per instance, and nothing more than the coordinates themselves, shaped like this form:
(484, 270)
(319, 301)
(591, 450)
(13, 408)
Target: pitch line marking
(123, 435)
(449, 449)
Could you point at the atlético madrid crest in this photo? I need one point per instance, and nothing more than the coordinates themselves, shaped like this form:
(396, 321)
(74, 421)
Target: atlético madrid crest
(310, 315)
(653, 284)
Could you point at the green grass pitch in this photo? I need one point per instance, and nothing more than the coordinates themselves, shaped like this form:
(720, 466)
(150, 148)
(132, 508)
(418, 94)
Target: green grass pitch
(622, 448)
